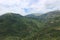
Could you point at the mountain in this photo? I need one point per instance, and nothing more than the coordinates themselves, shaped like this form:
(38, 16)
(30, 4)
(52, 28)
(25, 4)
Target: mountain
(46, 16)
(44, 27)
(51, 29)
(51, 14)
(16, 26)
(34, 15)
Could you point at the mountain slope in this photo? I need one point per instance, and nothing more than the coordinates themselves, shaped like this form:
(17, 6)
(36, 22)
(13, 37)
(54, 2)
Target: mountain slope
(51, 14)
(17, 27)
(47, 16)
(34, 15)
(51, 29)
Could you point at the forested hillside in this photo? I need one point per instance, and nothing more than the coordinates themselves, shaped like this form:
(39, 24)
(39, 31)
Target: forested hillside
(17, 27)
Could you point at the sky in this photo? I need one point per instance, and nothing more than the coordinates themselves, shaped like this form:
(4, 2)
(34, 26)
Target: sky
(25, 7)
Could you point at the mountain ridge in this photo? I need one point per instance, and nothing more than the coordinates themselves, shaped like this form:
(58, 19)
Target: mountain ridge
(16, 27)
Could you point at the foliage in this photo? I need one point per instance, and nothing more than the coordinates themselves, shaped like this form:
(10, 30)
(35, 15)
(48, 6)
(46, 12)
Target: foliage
(16, 27)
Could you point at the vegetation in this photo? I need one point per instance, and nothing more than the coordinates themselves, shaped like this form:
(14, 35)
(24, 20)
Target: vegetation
(16, 27)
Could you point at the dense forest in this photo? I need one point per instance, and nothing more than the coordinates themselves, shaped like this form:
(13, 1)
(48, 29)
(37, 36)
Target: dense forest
(30, 27)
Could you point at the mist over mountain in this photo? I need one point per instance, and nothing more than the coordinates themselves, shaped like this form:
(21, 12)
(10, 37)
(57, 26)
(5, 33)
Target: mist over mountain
(47, 15)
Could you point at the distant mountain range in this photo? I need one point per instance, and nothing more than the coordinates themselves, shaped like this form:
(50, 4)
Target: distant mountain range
(46, 16)
(34, 14)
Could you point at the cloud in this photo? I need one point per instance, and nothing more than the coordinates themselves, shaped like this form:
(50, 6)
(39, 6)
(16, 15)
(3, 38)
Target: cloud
(25, 7)
(53, 4)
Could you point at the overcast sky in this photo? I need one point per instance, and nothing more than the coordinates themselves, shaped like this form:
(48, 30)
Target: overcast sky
(25, 7)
